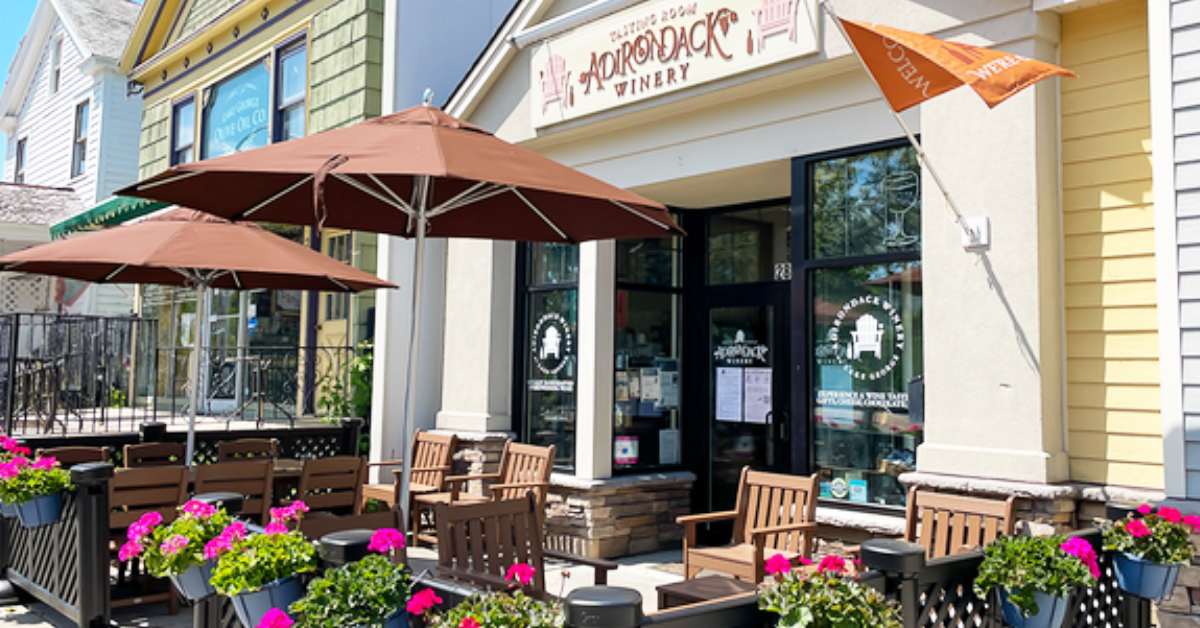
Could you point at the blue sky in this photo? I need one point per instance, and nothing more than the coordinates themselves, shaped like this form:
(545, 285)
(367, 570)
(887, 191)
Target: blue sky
(14, 17)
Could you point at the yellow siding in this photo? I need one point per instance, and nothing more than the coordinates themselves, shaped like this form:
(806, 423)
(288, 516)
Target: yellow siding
(1108, 224)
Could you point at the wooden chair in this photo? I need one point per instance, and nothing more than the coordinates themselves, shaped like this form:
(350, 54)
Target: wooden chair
(478, 543)
(131, 494)
(71, 456)
(247, 449)
(249, 478)
(314, 528)
(774, 513)
(432, 455)
(946, 524)
(154, 455)
(333, 484)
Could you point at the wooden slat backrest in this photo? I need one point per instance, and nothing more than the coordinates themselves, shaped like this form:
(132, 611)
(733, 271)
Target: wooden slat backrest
(71, 456)
(523, 463)
(432, 450)
(774, 499)
(477, 543)
(947, 524)
(249, 478)
(332, 484)
(134, 492)
(247, 449)
(316, 527)
(154, 455)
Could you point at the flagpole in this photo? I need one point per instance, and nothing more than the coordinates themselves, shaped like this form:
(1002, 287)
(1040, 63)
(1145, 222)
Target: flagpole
(827, 6)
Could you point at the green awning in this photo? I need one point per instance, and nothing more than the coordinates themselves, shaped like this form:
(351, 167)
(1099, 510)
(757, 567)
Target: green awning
(114, 211)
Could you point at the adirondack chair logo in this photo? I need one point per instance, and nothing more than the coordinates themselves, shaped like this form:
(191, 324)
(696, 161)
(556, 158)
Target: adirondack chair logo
(555, 80)
(867, 336)
(551, 343)
(776, 17)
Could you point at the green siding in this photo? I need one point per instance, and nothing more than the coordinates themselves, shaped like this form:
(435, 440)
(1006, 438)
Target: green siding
(197, 14)
(347, 70)
(154, 146)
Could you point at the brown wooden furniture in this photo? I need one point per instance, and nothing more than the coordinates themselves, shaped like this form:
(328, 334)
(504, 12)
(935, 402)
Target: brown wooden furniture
(154, 455)
(699, 590)
(432, 455)
(478, 543)
(333, 484)
(774, 514)
(71, 456)
(131, 494)
(247, 449)
(947, 524)
(250, 478)
(314, 528)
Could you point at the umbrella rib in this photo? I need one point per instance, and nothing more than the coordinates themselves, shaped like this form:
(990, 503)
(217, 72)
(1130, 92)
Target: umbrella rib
(451, 203)
(237, 282)
(390, 192)
(109, 276)
(657, 223)
(539, 213)
(458, 202)
(339, 284)
(180, 177)
(358, 185)
(274, 197)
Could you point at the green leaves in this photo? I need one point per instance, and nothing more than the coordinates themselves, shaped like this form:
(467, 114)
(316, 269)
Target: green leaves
(826, 600)
(1025, 565)
(31, 482)
(196, 530)
(363, 593)
(263, 558)
(1168, 542)
(501, 610)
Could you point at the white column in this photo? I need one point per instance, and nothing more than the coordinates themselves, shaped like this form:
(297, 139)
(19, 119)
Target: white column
(477, 368)
(594, 387)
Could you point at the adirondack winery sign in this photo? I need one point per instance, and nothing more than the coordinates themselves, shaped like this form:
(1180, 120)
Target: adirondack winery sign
(661, 46)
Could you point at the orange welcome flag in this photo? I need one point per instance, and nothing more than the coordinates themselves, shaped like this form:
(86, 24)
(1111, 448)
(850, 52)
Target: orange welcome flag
(911, 68)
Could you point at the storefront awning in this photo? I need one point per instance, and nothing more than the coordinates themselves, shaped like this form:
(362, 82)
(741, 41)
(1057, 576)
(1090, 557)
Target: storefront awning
(113, 211)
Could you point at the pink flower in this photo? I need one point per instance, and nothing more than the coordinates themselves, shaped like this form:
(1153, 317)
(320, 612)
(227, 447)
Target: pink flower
(292, 511)
(136, 531)
(385, 540)
(777, 564)
(46, 463)
(1084, 551)
(173, 545)
(422, 602)
(275, 618)
(468, 622)
(831, 563)
(1145, 509)
(1193, 521)
(1170, 514)
(20, 451)
(235, 531)
(128, 550)
(1137, 528)
(199, 509)
(7, 443)
(276, 527)
(20, 462)
(151, 519)
(521, 573)
(804, 560)
(8, 471)
(216, 546)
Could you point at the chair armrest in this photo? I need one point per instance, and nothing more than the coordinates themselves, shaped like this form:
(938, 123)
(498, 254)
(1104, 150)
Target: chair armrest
(386, 463)
(471, 477)
(530, 485)
(706, 517)
(398, 472)
(600, 566)
(787, 527)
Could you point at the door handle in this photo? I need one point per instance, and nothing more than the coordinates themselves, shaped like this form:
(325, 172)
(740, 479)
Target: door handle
(784, 425)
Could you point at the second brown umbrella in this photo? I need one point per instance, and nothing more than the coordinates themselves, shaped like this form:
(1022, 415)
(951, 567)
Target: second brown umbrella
(184, 247)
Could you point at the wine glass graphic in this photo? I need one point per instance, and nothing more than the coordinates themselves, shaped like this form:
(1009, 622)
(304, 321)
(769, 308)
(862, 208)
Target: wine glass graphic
(901, 192)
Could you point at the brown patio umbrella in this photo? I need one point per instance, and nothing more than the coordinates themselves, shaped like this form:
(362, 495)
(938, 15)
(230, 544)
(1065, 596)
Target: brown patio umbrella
(184, 247)
(416, 173)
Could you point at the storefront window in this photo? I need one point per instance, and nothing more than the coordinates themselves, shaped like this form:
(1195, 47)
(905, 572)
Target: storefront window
(551, 303)
(866, 323)
(291, 86)
(237, 112)
(750, 246)
(646, 390)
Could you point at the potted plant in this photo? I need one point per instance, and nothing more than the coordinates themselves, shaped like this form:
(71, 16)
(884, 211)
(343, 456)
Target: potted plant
(823, 598)
(1036, 576)
(10, 448)
(261, 571)
(512, 609)
(34, 488)
(1149, 547)
(370, 592)
(186, 549)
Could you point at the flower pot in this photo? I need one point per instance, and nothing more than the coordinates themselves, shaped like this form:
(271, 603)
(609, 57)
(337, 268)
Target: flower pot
(399, 620)
(40, 511)
(1152, 581)
(1052, 610)
(193, 582)
(8, 510)
(252, 605)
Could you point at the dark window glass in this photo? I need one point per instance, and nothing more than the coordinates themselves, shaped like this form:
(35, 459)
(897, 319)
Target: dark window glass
(19, 165)
(868, 204)
(646, 392)
(236, 113)
(550, 349)
(749, 246)
(552, 264)
(291, 85)
(183, 132)
(337, 304)
(653, 262)
(79, 148)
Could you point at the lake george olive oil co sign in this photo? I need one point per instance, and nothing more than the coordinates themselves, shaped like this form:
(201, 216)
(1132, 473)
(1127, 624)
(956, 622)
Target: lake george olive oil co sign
(660, 46)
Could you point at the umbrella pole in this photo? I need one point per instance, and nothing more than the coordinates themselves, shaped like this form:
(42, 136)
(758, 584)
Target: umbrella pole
(827, 7)
(410, 372)
(194, 393)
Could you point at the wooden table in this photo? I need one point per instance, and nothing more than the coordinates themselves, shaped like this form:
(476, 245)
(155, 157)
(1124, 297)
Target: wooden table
(699, 590)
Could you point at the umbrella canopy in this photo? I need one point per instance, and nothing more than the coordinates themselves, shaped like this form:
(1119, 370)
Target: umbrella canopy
(184, 247)
(374, 174)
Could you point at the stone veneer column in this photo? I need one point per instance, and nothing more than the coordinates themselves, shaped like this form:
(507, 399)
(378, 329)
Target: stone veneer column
(993, 327)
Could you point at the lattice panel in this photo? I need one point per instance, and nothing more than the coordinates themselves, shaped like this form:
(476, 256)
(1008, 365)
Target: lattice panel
(1102, 605)
(24, 293)
(307, 446)
(955, 605)
(49, 556)
(226, 616)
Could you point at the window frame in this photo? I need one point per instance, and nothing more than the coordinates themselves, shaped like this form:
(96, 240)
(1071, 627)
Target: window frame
(804, 266)
(339, 246)
(79, 144)
(298, 44)
(191, 146)
(56, 65)
(207, 100)
(20, 157)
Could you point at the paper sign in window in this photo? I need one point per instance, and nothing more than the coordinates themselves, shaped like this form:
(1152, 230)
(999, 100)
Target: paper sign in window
(757, 394)
(729, 394)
